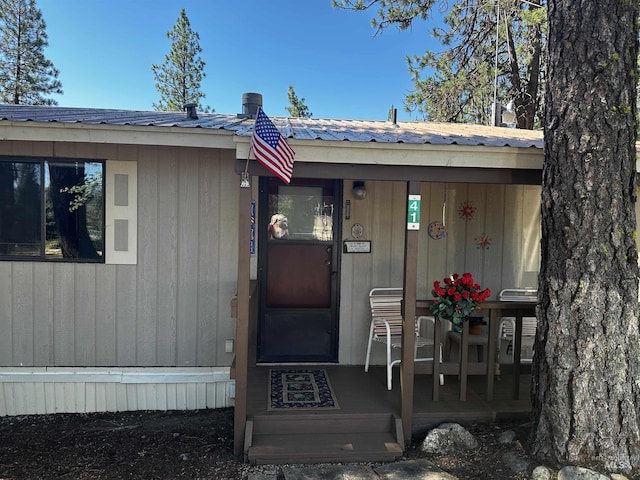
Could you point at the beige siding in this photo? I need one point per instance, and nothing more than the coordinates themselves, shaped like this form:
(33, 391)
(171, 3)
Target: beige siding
(171, 309)
(507, 214)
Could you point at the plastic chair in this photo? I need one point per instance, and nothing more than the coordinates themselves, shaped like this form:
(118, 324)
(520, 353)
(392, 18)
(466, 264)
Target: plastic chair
(508, 324)
(507, 328)
(386, 327)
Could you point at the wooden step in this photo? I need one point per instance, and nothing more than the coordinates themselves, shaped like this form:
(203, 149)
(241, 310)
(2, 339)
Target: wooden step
(324, 448)
(323, 438)
(324, 423)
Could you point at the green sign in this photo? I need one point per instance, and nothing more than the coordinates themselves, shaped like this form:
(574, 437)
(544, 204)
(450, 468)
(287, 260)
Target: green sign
(413, 213)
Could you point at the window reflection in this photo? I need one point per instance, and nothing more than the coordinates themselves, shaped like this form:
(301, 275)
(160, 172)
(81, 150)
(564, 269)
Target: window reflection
(300, 213)
(51, 209)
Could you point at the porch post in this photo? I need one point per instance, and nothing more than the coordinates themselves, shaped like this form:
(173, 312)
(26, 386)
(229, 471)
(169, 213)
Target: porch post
(407, 366)
(242, 320)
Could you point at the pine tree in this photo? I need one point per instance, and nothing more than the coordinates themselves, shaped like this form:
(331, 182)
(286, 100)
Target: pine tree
(297, 107)
(587, 352)
(26, 75)
(178, 78)
(457, 83)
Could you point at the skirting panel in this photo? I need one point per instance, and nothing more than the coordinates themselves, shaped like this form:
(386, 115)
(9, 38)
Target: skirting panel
(28, 391)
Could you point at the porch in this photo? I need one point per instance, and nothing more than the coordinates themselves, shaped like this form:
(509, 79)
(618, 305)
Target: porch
(366, 426)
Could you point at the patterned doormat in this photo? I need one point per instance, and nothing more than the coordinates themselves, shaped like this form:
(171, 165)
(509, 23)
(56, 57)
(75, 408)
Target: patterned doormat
(301, 389)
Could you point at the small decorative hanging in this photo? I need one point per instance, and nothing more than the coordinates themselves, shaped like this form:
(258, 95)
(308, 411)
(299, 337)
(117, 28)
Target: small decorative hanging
(483, 241)
(437, 230)
(466, 210)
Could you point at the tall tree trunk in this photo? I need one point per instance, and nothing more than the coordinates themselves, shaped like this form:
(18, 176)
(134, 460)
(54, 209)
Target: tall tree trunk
(586, 389)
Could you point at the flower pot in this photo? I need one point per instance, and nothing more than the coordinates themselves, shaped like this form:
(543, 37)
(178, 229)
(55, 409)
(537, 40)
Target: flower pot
(475, 329)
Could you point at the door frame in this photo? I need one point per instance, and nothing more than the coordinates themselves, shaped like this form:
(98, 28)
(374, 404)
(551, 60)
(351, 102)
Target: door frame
(262, 261)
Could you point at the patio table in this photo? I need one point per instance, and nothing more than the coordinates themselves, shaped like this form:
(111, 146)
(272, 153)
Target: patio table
(494, 311)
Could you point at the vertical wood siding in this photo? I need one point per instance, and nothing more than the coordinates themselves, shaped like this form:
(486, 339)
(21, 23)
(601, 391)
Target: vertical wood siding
(171, 309)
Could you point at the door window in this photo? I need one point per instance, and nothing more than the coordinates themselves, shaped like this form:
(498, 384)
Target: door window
(300, 213)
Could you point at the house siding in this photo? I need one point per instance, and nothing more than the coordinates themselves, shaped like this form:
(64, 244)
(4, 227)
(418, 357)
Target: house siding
(171, 309)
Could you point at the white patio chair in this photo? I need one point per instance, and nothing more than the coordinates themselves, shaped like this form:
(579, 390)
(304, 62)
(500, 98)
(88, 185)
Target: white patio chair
(386, 327)
(506, 330)
(508, 324)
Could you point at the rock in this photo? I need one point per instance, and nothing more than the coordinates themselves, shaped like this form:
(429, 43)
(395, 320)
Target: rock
(618, 476)
(579, 473)
(412, 469)
(507, 436)
(515, 463)
(329, 472)
(447, 437)
(541, 473)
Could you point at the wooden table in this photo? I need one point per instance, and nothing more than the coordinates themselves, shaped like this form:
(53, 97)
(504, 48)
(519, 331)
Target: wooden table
(494, 310)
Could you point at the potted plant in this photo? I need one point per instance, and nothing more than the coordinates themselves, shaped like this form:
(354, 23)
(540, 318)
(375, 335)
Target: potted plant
(475, 325)
(456, 298)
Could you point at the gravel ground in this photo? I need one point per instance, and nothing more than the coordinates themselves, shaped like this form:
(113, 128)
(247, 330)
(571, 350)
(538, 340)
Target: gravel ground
(173, 445)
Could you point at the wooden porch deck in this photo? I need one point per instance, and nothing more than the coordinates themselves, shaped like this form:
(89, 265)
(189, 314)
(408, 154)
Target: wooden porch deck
(359, 392)
(363, 398)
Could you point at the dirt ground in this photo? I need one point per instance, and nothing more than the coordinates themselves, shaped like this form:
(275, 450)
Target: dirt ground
(173, 445)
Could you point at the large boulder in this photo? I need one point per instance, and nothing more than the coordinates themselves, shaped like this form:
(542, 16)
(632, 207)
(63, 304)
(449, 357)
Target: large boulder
(449, 437)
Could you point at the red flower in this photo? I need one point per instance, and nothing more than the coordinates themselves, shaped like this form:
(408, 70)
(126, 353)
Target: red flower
(457, 297)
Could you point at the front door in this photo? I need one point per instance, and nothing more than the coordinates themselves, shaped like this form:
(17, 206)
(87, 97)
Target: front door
(298, 259)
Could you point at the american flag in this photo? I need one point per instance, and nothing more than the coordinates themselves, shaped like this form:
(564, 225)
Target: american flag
(271, 149)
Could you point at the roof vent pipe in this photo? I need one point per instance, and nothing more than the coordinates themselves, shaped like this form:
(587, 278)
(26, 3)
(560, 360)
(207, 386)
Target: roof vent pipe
(393, 115)
(250, 104)
(192, 114)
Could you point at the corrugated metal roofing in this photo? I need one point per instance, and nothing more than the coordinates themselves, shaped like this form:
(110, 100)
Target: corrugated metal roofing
(296, 128)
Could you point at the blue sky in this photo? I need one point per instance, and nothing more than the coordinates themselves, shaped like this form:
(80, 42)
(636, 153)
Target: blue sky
(104, 50)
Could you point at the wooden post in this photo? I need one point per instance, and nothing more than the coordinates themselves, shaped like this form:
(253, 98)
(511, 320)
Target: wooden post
(517, 350)
(437, 336)
(407, 366)
(491, 354)
(464, 359)
(242, 320)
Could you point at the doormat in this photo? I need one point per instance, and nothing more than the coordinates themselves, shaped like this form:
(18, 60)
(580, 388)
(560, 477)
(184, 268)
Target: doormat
(301, 389)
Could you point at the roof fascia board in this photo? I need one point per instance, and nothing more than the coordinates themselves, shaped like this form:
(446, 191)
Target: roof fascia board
(116, 134)
(376, 153)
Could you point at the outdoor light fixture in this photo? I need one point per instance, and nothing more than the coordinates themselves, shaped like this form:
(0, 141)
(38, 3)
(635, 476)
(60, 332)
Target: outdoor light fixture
(508, 114)
(359, 190)
(503, 116)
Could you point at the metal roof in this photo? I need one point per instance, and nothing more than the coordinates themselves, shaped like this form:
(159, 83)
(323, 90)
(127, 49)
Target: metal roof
(296, 128)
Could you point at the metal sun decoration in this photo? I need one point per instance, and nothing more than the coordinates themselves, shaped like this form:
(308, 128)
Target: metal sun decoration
(483, 241)
(466, 210)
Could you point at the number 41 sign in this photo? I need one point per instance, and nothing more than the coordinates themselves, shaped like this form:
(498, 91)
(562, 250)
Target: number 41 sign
(413, 213)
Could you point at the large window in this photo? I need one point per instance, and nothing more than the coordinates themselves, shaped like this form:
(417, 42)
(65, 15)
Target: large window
(51, 209)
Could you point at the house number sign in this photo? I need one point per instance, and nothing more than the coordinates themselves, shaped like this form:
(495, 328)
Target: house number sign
(413, 213)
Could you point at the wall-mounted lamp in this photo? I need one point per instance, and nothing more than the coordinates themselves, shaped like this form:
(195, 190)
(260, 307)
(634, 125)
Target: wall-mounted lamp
(504, 116)
(359, 190)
